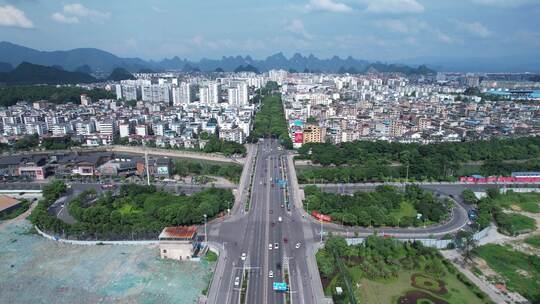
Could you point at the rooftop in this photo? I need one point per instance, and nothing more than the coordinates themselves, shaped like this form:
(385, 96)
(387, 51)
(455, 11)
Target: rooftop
(181, 232)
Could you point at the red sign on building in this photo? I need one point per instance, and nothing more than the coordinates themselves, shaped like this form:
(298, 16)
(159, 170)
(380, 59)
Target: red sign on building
(298, 137)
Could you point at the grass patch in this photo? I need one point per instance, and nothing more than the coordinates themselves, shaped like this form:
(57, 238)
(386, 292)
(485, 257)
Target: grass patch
(528, 202)
(533, 241)
(388, 291)
(514, 224)
(129, 209)
(520, 271)
(24, 206)
(406, 209)
(385, 270)
(210, 256)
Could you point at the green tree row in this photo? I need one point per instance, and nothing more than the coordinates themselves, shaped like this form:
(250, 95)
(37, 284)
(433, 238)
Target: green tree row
(188, 167)
(10, 95)
(380, 160)
(270, 121)
(377, 208)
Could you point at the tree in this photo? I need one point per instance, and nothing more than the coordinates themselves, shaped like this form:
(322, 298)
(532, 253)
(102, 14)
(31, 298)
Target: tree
(337, 245)
(469, 197)
(466, 243)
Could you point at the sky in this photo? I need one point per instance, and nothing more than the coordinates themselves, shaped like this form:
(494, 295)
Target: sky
(385, 30)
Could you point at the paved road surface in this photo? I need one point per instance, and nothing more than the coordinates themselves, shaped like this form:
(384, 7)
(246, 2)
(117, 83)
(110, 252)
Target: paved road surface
(252, 233)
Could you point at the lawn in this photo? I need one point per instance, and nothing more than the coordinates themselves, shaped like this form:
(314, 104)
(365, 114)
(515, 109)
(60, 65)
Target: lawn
(533, 241)
(520, 271)
(389, 271)
(514, 224)
(528, 202)
(406, 209)
(383, 292)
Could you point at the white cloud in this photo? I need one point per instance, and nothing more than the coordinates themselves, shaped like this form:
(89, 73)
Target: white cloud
(74, 12)
(474, 28)
(505, 3)
(64, 19)
(405, 26)
(328, 5)
(296, 26)
(11, 16)
(393, 6)
(442, 37)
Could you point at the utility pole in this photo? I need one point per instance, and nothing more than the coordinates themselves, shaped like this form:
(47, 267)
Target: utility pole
(147, 170)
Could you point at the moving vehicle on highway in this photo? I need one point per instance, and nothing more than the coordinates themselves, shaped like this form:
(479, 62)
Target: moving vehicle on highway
(270, 246)
(298, 245)
(237, 281)
(270, 274)
(276, 245)
(243, 257)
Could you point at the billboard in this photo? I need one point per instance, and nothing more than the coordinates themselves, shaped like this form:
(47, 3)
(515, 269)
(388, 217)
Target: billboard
(298, 137)
(163, 170)
(279, 286)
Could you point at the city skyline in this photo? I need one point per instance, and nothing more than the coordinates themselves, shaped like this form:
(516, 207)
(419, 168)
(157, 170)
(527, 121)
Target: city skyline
(389, 30)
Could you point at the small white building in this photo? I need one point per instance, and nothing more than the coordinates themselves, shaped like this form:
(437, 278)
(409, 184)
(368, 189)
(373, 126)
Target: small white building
(178, 243)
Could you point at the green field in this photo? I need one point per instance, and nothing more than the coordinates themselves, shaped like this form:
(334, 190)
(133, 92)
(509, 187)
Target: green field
(533, 241)
(385, 271)
(520, 271)
(514, 223)
(383, 292)
(406, 209)
(528, 202)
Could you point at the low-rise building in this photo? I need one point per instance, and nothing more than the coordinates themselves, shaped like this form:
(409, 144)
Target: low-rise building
(178, 243)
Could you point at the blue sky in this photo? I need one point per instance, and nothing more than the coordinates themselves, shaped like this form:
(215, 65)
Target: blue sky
(364, 29)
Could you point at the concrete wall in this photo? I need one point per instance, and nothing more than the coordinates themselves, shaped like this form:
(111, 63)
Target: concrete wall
(176, 250)
(435, 243)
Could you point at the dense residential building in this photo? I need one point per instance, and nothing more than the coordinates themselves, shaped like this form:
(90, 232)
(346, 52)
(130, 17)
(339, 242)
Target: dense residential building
(388, 106)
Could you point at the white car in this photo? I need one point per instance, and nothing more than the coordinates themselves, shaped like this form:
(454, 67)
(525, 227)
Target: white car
(279, 219)
(270, 274)
(297, 245)
(243, 257)
(237, 281)
(276, 245)
(269, 246)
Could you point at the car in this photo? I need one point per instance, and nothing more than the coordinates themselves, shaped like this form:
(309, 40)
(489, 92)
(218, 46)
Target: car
(278, 265)
(270, 274)
(285, 240)
(243, 257)
(276, 245)
(279, 219)
(271, 211)
(273, 224)
(297, 245)
(237, 281)
(270, 246)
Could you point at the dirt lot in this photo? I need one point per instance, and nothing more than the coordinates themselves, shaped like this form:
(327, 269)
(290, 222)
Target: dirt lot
(35, 270)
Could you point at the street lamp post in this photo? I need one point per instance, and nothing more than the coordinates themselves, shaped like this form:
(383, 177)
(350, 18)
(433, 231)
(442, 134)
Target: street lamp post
(205, 233)
(321, 231)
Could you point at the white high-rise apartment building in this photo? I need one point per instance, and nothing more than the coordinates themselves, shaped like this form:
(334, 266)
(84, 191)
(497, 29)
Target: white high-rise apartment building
(204, 95)
(213, 93)
(239, 96)
(156, 93)
(183, 94)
